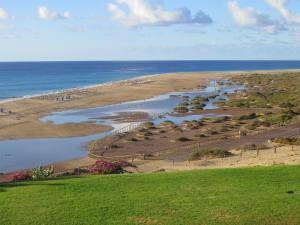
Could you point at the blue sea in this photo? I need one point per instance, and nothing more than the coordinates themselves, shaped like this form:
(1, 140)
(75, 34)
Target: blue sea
(18, 79)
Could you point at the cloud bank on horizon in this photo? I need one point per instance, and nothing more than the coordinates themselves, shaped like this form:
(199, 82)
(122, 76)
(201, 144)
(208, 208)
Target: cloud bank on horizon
(203, 25)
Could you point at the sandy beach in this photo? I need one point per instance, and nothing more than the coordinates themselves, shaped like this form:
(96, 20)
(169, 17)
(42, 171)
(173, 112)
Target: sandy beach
(20, 119)
(23, 119)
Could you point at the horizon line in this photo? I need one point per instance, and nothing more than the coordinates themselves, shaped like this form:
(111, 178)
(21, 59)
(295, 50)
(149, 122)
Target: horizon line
(164, 60)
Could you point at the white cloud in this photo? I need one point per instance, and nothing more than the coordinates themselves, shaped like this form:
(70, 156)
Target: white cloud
(67, 15)
(281, 6)
(143, 13)
(4, 15)
(46, 14)
(250, 17)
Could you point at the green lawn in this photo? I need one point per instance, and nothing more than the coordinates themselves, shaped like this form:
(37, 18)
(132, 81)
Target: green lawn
(230, 196)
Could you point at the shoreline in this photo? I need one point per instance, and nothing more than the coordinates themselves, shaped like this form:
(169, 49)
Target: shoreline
(137, 89)
(24, 121)
(98, 85)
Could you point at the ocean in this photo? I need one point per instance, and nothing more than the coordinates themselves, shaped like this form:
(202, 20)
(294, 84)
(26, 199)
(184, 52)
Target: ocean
(19, 79)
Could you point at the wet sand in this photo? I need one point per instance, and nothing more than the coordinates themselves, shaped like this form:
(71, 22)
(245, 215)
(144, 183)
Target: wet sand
(23, 120)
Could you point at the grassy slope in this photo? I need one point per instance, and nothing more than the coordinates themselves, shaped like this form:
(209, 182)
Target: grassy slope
(229, 196)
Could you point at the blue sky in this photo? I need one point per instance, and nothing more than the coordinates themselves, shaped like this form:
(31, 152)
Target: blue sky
(35, 30)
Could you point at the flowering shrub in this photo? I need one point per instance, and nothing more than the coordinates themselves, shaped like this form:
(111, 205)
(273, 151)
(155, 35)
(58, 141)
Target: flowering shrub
(17, 176)
(42, 173)
(107, 167)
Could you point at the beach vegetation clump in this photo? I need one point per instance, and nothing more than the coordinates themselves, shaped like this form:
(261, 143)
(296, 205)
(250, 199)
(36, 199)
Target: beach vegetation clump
(41, 173)
(286, 105)
(198, 105)
(199, 102)
(17, 176)
(35, 174)
(212, 131)
(192, 124)
(181, 108)
(184, 139)
(248, 117)
(133, 139)
(103, 167)
(168, 123)
(220, 103)
(185, 98)
(209, 153)
(220, 119)
(185, 103)
(286, 141)
(213, 96)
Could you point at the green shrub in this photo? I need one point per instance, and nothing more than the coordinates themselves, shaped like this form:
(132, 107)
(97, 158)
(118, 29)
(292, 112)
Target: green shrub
(212, 132)
(168, 123)
(209, 153)
(248, 117)
(184, 139)
(42, 173)
(286, 141)
(133, 139)
(200, 135)
(286, 105)
(181, 108)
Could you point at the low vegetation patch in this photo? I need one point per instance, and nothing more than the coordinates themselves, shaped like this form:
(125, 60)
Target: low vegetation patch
(248, 117)
(107, 167)
(17, 176)
(181, 108)
(209, 153)
(39, 173)
(286, 141)
(42, 173)
(268, 91)
(168, 123)
(251, 147)
(184, 139)
(102, 167)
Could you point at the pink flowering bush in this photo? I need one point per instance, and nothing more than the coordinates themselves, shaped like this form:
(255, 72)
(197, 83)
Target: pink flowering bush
(17, 176)
(107, 167)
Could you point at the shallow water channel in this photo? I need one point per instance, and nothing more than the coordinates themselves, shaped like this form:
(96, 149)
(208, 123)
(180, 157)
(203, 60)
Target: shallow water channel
(29, 153)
